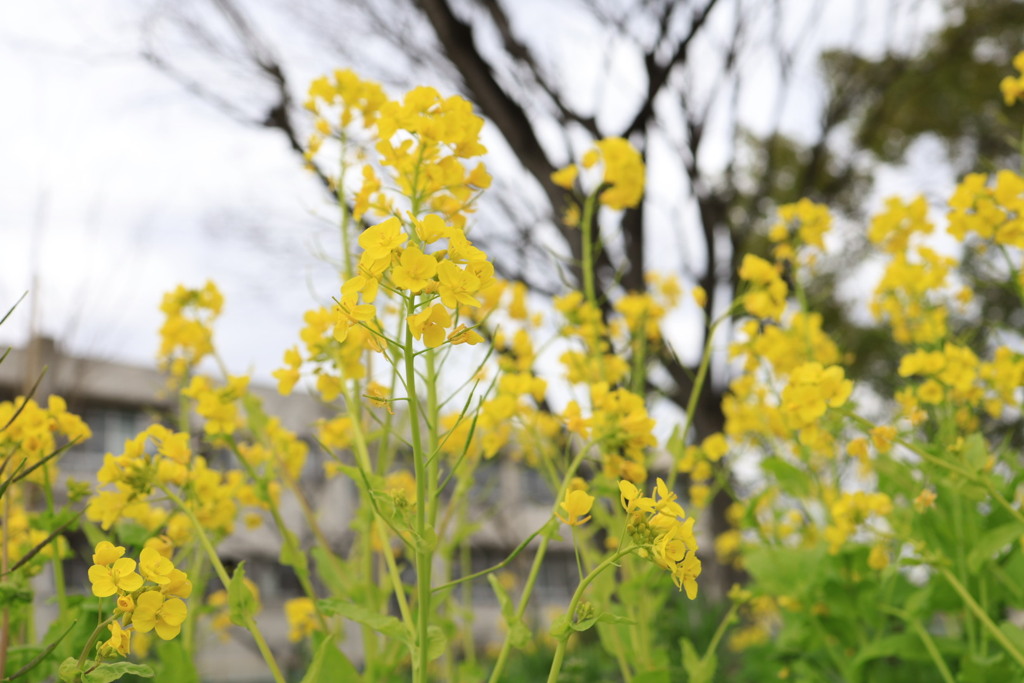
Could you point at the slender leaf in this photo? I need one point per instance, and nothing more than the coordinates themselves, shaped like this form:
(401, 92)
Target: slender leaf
(241, 603)
(330, 664)
(11, 309)
(383, 623)
(35, 661)
(24, 401)
(42, 544)
(107, 673)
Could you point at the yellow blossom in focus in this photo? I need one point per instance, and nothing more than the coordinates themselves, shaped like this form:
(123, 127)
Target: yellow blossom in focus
(154, 566)
(430, 325)
(577, 505)
(154, 612)
(414, 270)
(456, 286)
(379, 241)
(465, 335)
(119, 642)
(120, 576)
(107, 553)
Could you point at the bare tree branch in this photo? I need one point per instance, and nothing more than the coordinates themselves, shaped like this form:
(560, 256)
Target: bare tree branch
(518, 51)
(657, 74)
(508, 115)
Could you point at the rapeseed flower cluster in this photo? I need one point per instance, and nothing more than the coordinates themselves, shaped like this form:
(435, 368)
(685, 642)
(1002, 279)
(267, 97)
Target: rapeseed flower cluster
(850, 511)
(158, 458)
(801, 224)
(1012, 87)
(621, 183)
(186, 336)
(33, 433)
(150, 594)
(663, 532)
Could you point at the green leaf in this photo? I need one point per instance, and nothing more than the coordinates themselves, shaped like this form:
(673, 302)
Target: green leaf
(292, 555)
(132, 534)
(35, 661)
(887, 646)
(69, 671)
(698, 669)
(427, 542)
(12, 594)
(390, 626)
(27, 557)
(437, 642)
(792, 480)
(989, 545)
(583, 624)
(176, 664)
(518, 633)
(603, 617)
(329, 663)
(787, 571)
(105, 673)
(975, 451)
(241, 602)
(609, 618)
(325, 564)
(1014, 633)
(654, 676)
(560, 626)
(552, 530)
(918, 602)
(353, 472)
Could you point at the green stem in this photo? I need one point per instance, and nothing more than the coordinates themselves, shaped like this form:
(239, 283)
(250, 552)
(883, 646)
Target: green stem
(961, 565)
(729, 617)
(346, 249)
(222, 574)
(926, 639)
(362, 454)
(587, 226)
(698, 387)
(424, 555)
(197, 574)
(639, 377)
(58, 563)
(933, 651)
(983, 617)
(465, 568)
(538, 559)
(91, 643)
(432, 419)
(556, 663)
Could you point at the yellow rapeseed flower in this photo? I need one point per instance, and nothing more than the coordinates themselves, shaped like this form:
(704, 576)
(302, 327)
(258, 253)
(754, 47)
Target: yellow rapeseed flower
(577, 505)
(120, 576)
(301, 614)
(565, 177)
(431, 325)
(154, 612)
(119, 642)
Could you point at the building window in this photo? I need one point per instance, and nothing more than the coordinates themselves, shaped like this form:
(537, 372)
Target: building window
(111, 427)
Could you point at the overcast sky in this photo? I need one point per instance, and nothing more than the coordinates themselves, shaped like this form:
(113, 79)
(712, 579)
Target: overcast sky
(115, 185)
